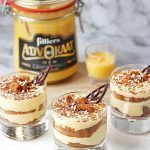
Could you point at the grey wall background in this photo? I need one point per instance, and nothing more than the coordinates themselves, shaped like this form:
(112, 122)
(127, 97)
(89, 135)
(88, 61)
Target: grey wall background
(123, 23)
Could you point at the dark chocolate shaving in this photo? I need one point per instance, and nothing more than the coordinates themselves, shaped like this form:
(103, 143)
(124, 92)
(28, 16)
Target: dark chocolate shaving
(40, 78)
(97, 95)
(146, 70)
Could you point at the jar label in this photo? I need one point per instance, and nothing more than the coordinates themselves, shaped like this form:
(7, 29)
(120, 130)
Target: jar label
(43, 51)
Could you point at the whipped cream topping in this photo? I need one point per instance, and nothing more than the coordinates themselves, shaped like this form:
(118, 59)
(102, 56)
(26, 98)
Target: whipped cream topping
(132, 81)
(18, 87)
(77, 106)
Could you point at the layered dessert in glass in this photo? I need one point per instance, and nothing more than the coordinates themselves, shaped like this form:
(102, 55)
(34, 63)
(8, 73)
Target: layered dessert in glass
(78, 122)
(23, 105)
(130, 98)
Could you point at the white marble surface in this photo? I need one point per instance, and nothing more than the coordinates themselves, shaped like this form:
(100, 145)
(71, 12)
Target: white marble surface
(123, 23)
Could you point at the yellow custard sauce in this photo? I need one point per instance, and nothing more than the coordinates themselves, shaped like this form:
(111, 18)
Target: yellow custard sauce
(45, 35)
(100, 64)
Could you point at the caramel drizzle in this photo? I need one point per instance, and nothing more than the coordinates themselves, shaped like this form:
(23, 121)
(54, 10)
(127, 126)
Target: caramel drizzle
(39, 79)
(97, 95)
(146, 70)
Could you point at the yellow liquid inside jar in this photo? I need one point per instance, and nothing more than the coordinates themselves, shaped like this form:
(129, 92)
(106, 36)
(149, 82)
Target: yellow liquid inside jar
(44, 39)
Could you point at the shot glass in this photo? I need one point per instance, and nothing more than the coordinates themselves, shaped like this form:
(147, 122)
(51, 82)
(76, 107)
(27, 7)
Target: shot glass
(100, 61)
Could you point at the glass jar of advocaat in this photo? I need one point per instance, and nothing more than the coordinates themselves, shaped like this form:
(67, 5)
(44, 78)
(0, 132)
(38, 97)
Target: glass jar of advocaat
(45, 35)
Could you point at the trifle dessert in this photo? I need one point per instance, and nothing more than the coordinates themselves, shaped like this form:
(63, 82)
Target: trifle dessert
(80, 120)
(23, 103)
(130, 96)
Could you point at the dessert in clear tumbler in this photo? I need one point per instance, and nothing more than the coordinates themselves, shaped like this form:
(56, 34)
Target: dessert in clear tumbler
(23, 105)
(21, 101)
(78, 121)
(130, 92)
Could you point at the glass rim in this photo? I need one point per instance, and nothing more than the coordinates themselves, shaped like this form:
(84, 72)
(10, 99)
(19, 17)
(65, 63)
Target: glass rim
(125, 66)
(55, 99)
(31, 7)
(74, 92)
(15, 72)
(107, 45)
(38, 2)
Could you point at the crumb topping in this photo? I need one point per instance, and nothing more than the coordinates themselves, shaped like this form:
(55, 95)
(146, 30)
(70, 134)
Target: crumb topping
(78, 106)
(18, 87)
(133, 81)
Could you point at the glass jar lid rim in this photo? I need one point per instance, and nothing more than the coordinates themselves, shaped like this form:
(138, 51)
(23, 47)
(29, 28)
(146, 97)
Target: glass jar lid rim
(24, 7)
(39, 2)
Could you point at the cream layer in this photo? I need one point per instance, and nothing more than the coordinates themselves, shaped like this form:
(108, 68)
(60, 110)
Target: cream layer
(23, 118)
(22, 105)
(129, 108)
(96, 138)
(75, 123)
(123, 91)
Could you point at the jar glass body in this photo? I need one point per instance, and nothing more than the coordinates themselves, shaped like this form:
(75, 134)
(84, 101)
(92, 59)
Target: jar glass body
(46, 35)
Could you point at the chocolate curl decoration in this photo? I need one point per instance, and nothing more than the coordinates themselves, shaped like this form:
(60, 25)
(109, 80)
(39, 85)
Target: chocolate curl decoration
(97, 95)
(146, 70)
(40, 78)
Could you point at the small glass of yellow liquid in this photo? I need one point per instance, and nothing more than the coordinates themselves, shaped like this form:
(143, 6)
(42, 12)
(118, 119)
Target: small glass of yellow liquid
(100, 61)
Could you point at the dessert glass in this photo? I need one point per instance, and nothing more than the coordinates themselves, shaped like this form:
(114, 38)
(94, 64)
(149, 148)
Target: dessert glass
(23, 113)
(79, 128)
(130, 99)
(100, 61)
